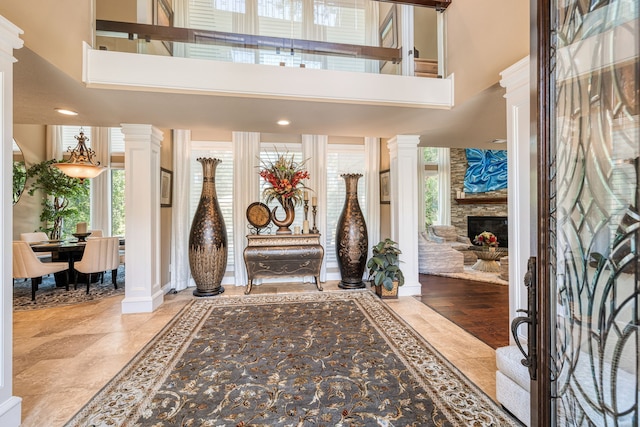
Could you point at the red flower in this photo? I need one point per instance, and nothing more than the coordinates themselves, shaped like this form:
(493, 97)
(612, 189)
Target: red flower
(285, 177)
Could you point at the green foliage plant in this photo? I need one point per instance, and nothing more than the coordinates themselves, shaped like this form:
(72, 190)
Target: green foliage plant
(19, 180)
(384, 265)
(61, 195)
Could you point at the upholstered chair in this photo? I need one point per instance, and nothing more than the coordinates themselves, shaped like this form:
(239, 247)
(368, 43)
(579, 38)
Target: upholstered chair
(434, 258)
(100, 254)
(26, 265)
(95, 233)
(37, 236)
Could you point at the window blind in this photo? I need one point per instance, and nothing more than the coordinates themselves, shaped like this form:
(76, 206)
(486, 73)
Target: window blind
(332, 20)
(116, 138)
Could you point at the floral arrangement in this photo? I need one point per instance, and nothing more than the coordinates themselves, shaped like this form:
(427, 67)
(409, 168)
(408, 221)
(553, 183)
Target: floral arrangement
(486, 238)
(286, 179)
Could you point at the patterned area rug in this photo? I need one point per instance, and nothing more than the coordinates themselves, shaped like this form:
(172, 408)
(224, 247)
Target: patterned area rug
(48, 295)
(307, 359)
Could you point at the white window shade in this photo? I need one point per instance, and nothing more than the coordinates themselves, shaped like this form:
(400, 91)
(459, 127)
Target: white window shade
(331, 21)
(116, 138)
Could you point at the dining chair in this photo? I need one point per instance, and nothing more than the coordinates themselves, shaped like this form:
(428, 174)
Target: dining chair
(26, 265)
(95, 233)
(100, 255)
(37, 236)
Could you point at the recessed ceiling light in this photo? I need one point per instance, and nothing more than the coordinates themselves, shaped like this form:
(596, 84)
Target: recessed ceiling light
(283, 122)
(66, 112)
(499, 141)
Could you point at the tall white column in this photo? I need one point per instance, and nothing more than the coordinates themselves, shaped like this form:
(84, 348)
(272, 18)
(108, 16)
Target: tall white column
(403, 156)
(143, 291)
(516, 80)
(10, 406)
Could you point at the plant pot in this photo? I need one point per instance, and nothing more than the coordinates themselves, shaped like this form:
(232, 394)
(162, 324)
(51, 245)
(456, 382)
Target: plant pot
(383, 293)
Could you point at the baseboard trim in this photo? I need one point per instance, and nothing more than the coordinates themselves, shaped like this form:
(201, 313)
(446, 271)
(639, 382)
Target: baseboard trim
(10, 412)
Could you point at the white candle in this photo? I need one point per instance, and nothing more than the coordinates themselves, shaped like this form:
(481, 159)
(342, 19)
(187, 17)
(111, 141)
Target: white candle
(314, 201)
(305, 226)
(296, 229)
(306, 195)
(81, 227)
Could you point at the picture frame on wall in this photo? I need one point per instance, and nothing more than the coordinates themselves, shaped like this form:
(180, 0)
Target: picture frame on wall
(166, 188)
(385, 195)
(388, 32)
(389, 29)
(163, 16)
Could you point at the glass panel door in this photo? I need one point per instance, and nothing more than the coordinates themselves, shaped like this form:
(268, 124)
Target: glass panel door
(593, 213)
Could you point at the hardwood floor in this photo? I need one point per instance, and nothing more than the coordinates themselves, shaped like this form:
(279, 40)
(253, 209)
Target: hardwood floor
(482, 309)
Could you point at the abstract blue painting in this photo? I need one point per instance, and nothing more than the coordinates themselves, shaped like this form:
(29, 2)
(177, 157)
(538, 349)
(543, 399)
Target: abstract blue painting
(486, 170)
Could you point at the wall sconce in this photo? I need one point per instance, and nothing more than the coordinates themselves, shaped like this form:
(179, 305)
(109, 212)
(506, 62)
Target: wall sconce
(80, 164)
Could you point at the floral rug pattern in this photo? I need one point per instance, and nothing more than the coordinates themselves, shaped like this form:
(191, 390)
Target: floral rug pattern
(48, 295)
(316, 359)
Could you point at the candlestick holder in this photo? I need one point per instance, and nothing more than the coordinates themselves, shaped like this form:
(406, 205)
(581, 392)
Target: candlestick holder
(306, 209)
(314, 211)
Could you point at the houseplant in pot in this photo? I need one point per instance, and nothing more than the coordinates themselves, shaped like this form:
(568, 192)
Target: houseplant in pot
(384, 270)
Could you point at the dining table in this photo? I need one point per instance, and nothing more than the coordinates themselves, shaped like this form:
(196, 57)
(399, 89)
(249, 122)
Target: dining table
(64, 250)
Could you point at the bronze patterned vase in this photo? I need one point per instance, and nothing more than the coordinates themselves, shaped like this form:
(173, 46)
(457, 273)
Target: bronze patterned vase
(290, 215)
(352, 240)
(208, 236)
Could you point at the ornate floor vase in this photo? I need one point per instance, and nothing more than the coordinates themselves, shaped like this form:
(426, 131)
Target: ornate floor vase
(208, 236)
(352, 240)
(290, 214)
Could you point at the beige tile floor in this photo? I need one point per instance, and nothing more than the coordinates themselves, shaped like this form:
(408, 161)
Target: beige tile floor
(63, 356)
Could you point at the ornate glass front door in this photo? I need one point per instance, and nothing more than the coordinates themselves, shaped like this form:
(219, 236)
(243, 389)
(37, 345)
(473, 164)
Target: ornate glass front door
(590, 204)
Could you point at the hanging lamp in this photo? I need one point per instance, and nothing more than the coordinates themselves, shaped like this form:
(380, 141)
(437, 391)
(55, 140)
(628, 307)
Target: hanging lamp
(81, 164)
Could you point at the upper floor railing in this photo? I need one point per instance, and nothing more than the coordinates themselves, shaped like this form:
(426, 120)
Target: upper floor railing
(279, 50)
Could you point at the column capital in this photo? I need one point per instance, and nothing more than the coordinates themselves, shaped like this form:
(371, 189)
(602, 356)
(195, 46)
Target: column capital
(516, 76)
(142, 130)
(9, 39)
(400, 142)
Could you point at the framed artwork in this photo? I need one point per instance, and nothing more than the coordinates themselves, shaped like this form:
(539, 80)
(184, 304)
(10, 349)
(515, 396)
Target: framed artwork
(385, 197)
(163, 16)
(389, 29)
(166, 187)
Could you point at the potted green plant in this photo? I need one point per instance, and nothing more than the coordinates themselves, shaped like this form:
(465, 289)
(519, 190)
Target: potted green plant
(384, 270)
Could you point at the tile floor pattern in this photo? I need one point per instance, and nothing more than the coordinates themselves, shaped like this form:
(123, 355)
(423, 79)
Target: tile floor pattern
(63, 356)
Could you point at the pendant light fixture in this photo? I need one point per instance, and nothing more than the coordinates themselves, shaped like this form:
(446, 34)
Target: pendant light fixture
(81, 164)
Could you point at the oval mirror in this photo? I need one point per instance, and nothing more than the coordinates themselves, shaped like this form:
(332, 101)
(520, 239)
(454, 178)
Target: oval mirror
(19, 172)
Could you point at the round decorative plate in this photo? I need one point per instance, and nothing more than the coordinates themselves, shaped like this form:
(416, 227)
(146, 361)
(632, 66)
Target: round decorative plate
(258, 215)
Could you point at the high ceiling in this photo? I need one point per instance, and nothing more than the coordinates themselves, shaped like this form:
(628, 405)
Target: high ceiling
(40, 88)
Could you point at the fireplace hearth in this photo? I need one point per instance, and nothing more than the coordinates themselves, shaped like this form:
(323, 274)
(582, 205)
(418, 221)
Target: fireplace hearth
(495, 224)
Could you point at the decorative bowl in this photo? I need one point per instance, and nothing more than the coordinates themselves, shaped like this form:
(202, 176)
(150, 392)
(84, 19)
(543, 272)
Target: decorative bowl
(82, 237)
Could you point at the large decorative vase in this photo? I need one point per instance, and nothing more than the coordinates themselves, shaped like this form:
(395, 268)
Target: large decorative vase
(352, 240)
(208, 236)
(290, 215)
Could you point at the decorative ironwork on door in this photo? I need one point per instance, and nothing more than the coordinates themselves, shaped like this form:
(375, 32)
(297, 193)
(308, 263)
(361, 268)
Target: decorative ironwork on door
(594, 220)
